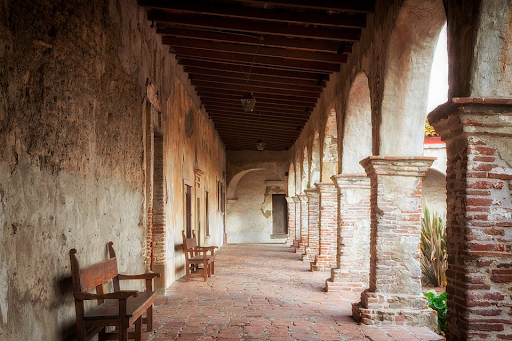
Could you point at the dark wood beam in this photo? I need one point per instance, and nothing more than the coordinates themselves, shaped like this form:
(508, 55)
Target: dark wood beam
(254, 117)
(268, 40)
(233, 10)
(252, 83)
(238, 130)
(262, 108)
(273, 62)
(255, 70)
(255, 124)
(355, 6)
(200, 84)
(270, 116)
(237, 76)
(255, 27)
(262, 96)
(253, 51)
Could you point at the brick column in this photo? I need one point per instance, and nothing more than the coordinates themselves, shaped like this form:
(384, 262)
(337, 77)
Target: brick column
(394, 295)
(328, 218)
(353, 257)
(478, 135)
(312, 246)
(303, 239)
(291, 220)
(296, 237)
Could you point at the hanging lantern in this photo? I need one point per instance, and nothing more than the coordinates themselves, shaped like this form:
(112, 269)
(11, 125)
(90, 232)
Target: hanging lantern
(260, 144)
(248, 102)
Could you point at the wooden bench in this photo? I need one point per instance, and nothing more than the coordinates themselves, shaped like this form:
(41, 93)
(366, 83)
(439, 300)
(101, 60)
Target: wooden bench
(120, 308)
(198, 255)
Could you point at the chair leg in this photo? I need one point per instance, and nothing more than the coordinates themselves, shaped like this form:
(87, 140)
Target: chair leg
(213, 267)
(138, 329)
(149, 319)
(205, 271)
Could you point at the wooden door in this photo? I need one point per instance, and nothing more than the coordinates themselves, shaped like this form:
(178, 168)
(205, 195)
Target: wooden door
(279, 214)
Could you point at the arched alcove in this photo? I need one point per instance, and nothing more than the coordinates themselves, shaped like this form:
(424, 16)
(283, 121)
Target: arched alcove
(406, 77)
(357, 134)
(434, 191)
(251, 216)
(329, 166)
(315, 161)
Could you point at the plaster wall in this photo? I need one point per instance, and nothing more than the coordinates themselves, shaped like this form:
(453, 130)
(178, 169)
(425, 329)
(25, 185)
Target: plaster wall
(249, 218)
(73, 152)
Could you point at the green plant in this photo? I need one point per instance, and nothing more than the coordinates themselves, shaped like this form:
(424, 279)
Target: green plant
(434, 259)
(438, 303)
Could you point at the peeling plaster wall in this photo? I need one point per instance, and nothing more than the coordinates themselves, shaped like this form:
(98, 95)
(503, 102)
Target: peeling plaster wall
(249, 217)
(73, 86)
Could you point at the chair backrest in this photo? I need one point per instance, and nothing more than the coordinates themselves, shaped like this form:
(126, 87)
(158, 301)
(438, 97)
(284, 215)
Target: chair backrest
(188, 244)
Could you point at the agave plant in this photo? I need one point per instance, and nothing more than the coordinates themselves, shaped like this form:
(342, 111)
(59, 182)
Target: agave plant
(434, 259)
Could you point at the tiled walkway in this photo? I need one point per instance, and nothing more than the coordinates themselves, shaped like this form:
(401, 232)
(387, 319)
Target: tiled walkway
(264, 292)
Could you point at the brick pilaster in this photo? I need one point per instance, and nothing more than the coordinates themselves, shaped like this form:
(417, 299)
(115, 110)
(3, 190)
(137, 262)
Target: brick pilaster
(291, 221)
(296, 237)
(328, 218)
(312, 247)
(394, 295)
(478, 136)
(303, 239)
(353, 234)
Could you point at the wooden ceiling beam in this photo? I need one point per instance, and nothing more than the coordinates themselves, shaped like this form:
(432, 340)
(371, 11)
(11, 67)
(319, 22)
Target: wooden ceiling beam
(260, 109)
(255, 27)
(253, 51)
(262, 97)
(199, 84)
(253, 83)
(268, 40)
(270, 117)
(355, 6)
(273, 62)
(255, 70)
(257, 133)
(234, 10)
(255, 124)
(237, 76)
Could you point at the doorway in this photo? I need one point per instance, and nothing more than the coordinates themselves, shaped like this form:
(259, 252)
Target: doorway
(279, 215)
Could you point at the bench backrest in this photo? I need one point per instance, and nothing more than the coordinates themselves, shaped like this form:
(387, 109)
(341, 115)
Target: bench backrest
(95, 275)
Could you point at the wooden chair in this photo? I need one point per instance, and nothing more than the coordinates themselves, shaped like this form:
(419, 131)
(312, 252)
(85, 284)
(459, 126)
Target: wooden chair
(120, 308)
(198, 255)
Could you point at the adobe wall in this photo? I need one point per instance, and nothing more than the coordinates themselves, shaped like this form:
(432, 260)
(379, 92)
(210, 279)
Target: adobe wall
(73, 151)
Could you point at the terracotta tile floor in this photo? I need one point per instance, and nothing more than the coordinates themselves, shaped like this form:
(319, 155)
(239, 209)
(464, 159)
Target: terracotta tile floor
(264, 292)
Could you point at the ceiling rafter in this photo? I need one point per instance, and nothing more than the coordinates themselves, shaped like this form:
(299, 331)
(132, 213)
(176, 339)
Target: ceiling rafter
(245, 12)
(255, 27)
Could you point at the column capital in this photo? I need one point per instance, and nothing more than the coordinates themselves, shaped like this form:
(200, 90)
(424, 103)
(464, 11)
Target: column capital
(324, 185)
(289, 200)
(312, 192)
(473, 116)
(295, 198)
(351, 181)
(302, 197)
(405, 166)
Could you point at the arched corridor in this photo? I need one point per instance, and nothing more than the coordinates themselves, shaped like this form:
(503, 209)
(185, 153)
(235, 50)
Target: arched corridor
(261, 292)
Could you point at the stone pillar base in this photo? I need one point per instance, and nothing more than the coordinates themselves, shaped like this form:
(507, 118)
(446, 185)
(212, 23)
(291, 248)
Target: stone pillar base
(322, 263)
(338, 282)
(308, 255)
(159, 282)
(300, 248)
(394, 309)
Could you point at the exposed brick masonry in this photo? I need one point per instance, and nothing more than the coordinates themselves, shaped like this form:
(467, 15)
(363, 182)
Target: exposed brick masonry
(353, 258)
(312, 247)
(291, 221)
(328, 225)
(394, 295)
(303, 240)
(479, 236)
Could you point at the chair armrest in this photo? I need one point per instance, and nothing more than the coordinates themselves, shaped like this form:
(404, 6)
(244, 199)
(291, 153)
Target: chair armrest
(210, 249)
(119, 295)
(148, 275)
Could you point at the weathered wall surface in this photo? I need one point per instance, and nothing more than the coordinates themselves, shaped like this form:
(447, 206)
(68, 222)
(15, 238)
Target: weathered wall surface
(73, 86)
(249, 218)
